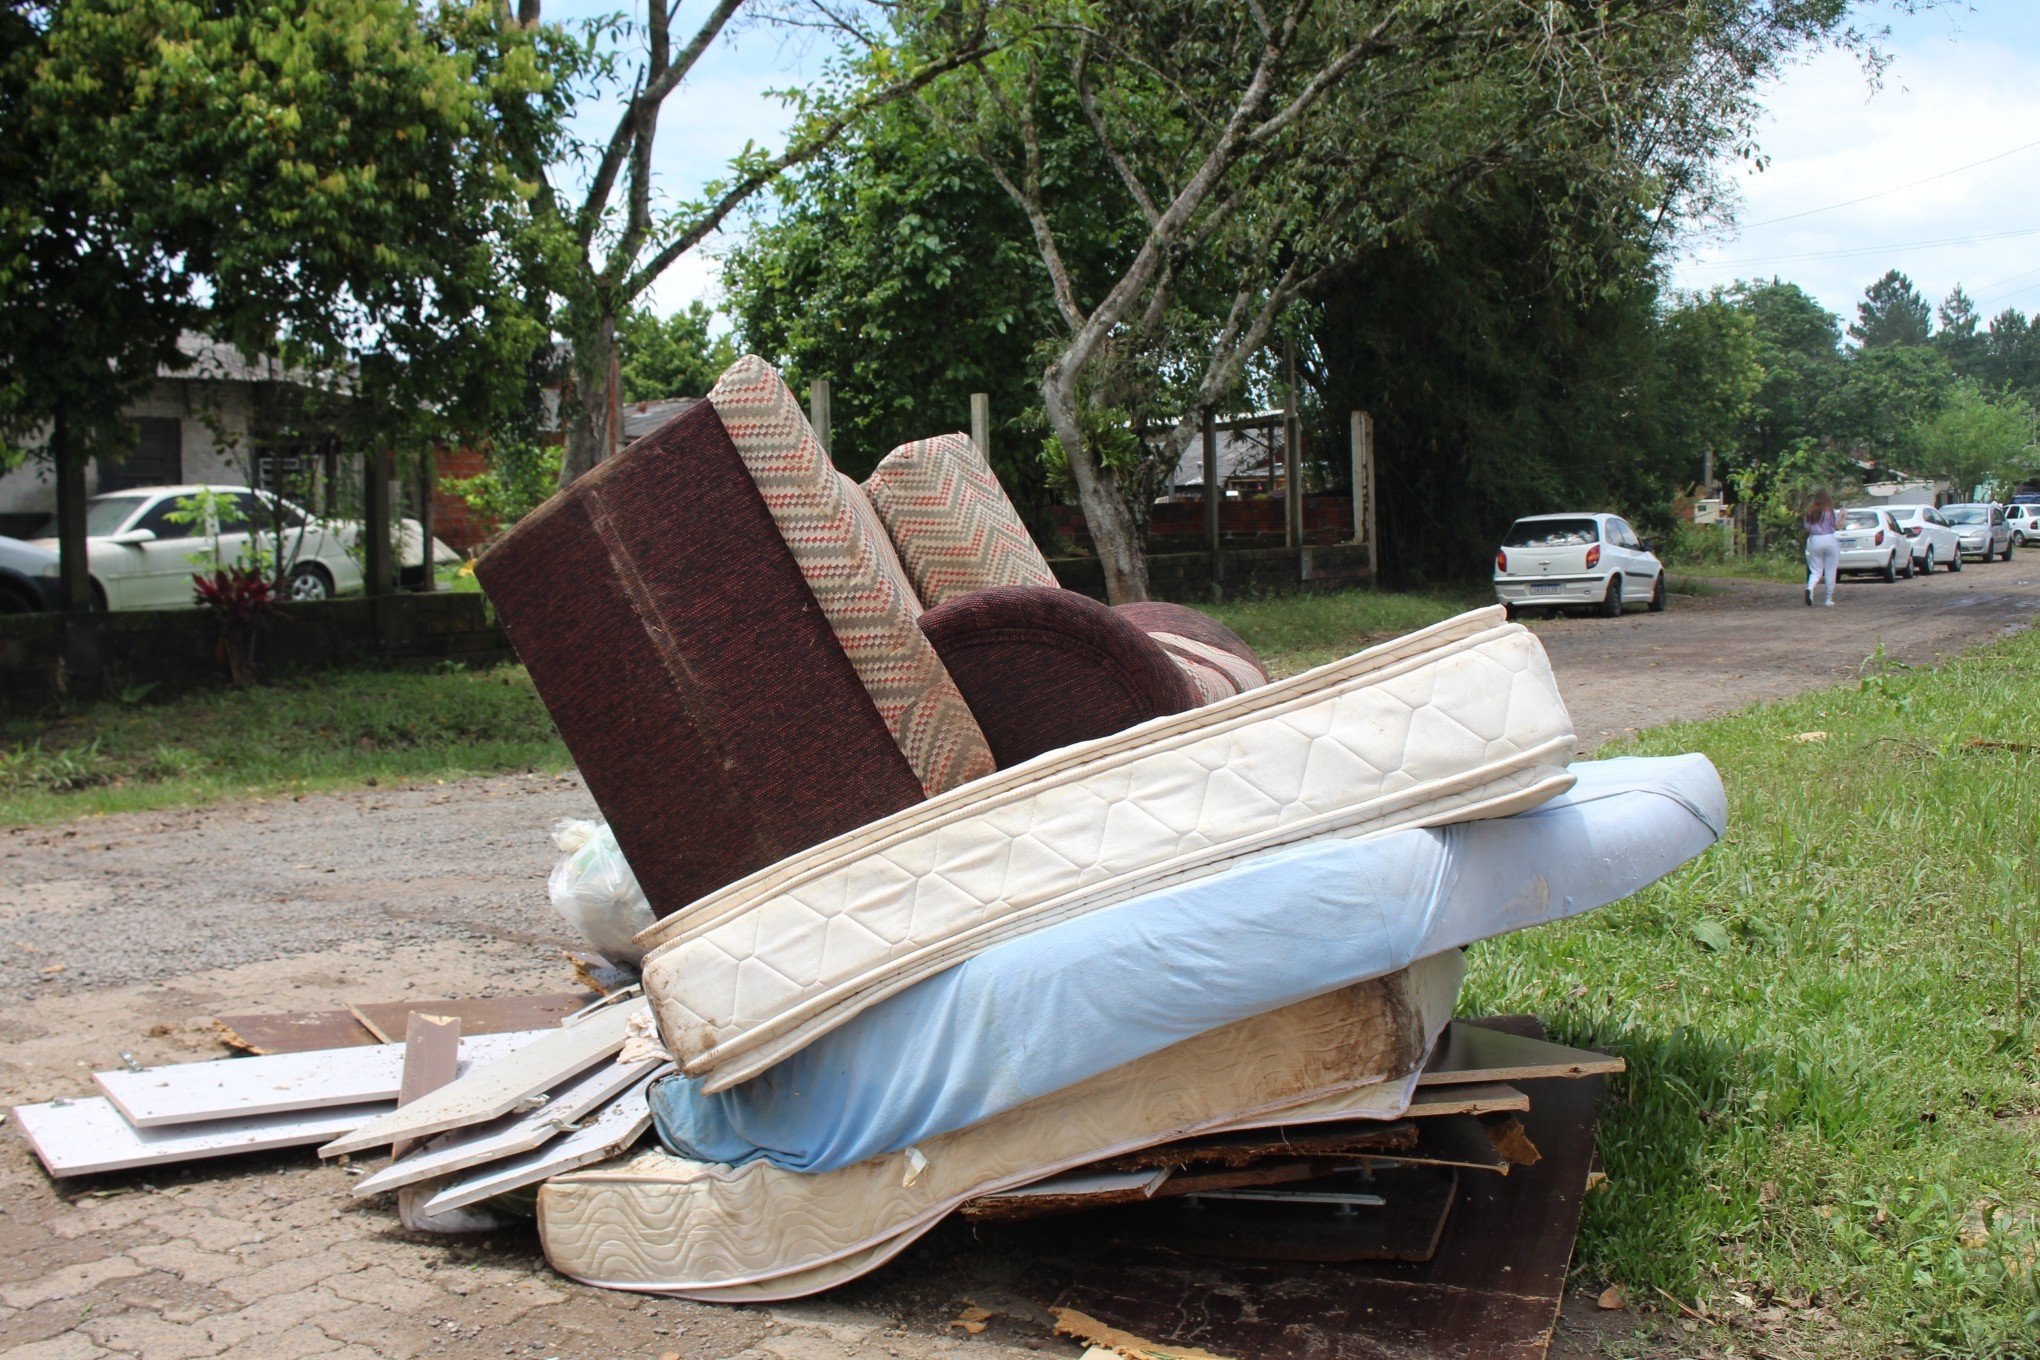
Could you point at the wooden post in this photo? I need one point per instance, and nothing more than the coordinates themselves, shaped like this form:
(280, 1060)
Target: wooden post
(1363, 490)
(818, 411)
(74, 568)
(981, 424)
(428, 483)
(1214, 490)
(377, 557)
(1292, 454)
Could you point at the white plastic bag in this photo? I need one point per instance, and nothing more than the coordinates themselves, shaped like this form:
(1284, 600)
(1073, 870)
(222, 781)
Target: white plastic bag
(595, 890)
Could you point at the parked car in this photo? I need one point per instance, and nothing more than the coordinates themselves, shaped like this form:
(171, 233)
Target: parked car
(1871, 540)
(1933, 541)
(2023, 519)
(1980, 529)
(142, 550)
(28, 577)
(1555, 561)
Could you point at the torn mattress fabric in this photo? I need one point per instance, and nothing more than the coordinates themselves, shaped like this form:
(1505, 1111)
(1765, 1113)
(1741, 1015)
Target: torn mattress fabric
(667, 1224)
(1018, 1021)
(1455, 722)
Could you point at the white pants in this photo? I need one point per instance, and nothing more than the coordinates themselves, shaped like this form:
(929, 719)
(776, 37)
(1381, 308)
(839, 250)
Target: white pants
(1823, 560)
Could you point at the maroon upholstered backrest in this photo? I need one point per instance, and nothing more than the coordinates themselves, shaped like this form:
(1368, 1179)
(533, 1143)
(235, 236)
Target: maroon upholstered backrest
(688, 667)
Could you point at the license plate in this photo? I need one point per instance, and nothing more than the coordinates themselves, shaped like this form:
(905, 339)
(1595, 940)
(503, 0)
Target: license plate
(1544, 587)
(1851, 543)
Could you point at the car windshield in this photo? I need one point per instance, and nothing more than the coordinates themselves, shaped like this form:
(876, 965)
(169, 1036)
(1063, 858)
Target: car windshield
(1860, 519)
(1552, 533)
(1966, 514)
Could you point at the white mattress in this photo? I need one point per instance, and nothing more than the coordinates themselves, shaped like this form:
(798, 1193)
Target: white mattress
(659, 1223)
(1458, 721)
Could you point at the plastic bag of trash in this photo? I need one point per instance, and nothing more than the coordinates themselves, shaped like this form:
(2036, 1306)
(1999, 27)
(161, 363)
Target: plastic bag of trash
(593, 887)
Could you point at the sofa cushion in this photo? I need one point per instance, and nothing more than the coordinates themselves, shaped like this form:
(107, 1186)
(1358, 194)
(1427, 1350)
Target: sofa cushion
(870, 608)
(952, 522)
(713, 745)
(1215, 658)
(1043, 668)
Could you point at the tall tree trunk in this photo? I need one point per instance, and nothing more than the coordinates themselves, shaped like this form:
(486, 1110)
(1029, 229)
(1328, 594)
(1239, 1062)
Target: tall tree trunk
(75, 571)
(591, 408)
(1113, 535)
(428, 521)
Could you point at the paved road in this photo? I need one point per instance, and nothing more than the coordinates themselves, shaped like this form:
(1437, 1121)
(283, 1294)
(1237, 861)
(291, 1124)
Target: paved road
(124, 934)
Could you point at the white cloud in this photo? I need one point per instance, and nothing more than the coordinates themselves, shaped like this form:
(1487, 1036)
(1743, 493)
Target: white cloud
(1946, 101)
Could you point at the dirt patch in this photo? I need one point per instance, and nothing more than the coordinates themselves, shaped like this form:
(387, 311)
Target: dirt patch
(125, 934)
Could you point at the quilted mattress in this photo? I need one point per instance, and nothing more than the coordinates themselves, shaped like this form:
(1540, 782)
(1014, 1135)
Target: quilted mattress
(1455, 722)
(660, 1223)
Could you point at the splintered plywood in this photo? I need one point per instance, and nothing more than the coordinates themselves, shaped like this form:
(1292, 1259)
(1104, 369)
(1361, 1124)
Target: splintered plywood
(84, 1136)
(236, 1088)
(513, 1134)
(620, 1124)
(1473, 1053)
(493, 1089)
(303, 1031)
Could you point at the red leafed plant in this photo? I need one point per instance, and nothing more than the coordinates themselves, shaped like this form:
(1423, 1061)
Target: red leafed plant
(243, 600)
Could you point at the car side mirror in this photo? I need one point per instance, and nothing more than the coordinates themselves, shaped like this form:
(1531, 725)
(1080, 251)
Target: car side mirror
(1649, 545)
(133, 538)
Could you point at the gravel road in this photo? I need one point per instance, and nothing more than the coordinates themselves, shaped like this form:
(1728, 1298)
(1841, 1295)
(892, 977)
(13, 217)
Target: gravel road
(124, 934)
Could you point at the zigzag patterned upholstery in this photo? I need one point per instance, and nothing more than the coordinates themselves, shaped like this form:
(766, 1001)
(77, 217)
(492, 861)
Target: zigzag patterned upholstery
(954, 527)
(870, 608)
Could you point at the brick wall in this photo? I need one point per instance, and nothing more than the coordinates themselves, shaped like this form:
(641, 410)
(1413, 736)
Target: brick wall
(454, 521)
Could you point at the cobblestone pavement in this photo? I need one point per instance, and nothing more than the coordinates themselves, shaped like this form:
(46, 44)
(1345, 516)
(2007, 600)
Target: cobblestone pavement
(126, 934)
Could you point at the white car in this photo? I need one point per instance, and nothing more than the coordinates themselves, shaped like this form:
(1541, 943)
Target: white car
(1980, 529)
(1871, 540)
(1933, 542)
(2023, 520)
(1556, 561)
(143, 553)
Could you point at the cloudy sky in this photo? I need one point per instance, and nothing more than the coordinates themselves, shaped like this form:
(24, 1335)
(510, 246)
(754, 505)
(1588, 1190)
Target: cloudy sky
(1936, 170)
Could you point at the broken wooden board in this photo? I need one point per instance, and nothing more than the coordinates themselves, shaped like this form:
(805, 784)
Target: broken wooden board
(489, 1090)
(1477, 1098)
(279, 1083)
(1070, 1191)
(1492, 1288)
(514, 1133)
(1241, 1149)
(622, 1122)
(431, 1059)
(1405, 1228)
(304, 1031)
(1471, 1052)
(1460, 1141)
(88, 1135)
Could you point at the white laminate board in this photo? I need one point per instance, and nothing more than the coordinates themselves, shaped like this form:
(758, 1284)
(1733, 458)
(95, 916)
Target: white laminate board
(619, 1125)
(514, 1133)
(86, 1135)
(498, 1087)
(276, 1083)
(1092, 1183)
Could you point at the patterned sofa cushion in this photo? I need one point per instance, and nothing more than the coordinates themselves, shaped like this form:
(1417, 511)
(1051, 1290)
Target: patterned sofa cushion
(1043, 669)
(951, 521)
(713, 745)
(871, 609)
(1217, 660)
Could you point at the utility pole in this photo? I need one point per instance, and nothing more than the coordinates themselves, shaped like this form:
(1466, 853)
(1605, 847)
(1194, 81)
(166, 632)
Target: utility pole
(818, 411)
(1363, 490)
(1214, 490)
(1292, 453)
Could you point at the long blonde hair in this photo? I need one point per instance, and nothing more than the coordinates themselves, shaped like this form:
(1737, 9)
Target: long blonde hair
(1818, 504)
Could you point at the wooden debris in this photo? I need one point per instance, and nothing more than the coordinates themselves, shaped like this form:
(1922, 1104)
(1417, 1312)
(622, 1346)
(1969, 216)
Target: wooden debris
(88, 1135)
(1243, 1149)
(1512, 1142)
(431, 1059)
(1474, 1053)
(496, 1088)
(1087, 1189)
(619, 1125)
(1101, 1337)
(357, 1026)
(1406, 1227)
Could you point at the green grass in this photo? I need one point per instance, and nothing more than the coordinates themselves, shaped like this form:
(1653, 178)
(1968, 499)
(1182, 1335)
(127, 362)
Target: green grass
(315, 732)
(1292, 633)
(1833, 1097)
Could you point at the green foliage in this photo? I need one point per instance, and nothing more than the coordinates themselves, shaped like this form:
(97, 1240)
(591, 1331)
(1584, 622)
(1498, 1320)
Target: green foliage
(1892, 312)
(1293, 633)
(1829, 1022)
(671, 356)
(1976, 440)
(519, 477)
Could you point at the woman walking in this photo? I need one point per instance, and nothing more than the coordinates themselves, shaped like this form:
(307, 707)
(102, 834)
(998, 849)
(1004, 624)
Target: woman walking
(1823, 552)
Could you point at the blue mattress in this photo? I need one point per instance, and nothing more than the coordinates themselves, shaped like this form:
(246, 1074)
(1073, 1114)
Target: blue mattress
(1039, 1013)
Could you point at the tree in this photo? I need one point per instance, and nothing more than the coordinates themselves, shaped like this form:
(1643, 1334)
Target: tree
(2011, 354)
(1263, 149)
(330, 182)
(671, 356)
(1882, 397)
(1711, 374)
(1957, 337)
(1892, 312)
(1977, 442)
(615, 237)
(1798, 354)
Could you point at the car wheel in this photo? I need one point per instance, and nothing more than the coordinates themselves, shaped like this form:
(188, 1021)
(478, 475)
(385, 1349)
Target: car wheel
(308, 581)
(1511, 612)
(1909, 568)
(2007, 554)
(1891, 568)
(1611, 603)
(1955, 560)
(1657, 595)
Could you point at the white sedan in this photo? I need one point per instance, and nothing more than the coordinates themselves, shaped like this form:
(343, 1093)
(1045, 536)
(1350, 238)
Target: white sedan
(144, 548)
(1871, 540)
(1933, 541)
(1555, 561)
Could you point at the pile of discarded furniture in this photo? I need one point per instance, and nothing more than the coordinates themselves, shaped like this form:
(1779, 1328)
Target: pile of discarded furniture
(953, 891)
